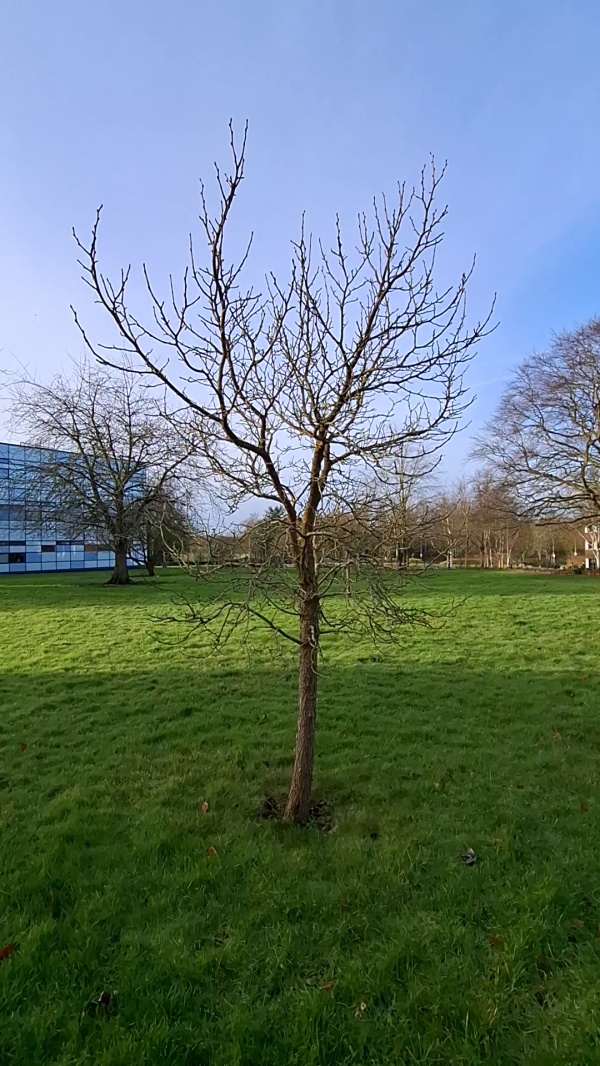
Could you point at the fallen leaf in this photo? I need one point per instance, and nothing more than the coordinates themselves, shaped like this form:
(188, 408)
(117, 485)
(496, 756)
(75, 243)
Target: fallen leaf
(576, 923)
(544, 964)
(541, 996)
(327, 986)
(6, 952)
(103, 1004)
(211, 851)
(358, 1013)
(204, 808)
(556, 736)
(22, 746)
(469, 858)
(496, 942)
(583, 807)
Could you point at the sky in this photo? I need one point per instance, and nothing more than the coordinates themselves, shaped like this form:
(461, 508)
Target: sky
(126, 103)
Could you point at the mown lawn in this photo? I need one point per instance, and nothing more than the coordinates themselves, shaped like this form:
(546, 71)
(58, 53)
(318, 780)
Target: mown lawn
(370, 944)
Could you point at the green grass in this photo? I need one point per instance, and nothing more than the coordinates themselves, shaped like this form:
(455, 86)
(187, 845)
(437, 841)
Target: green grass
(485, 734)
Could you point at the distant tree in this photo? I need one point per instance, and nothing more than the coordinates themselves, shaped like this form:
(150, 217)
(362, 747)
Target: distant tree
(265, 540)
(167, 529)
(405, 490)
(109, 457)
(543, 442)
(494, 520)
(299, 395)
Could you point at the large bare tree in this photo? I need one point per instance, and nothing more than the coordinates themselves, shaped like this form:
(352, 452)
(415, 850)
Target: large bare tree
(109, 456)
(543, 442)
(300, 393)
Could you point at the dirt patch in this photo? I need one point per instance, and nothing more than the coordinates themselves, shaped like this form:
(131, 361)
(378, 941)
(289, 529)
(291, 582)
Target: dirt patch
(320, 815)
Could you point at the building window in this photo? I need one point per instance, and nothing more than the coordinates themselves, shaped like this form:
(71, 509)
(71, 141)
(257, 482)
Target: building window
(28, 515)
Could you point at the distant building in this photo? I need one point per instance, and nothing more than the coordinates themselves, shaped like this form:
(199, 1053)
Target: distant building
(31, 539)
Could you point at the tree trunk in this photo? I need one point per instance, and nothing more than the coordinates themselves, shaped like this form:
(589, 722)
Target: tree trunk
(298, 801)
(401, 557)
(149, 563)
(120, 574)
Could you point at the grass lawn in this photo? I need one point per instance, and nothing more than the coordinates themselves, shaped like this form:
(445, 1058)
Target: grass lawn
(371, 944)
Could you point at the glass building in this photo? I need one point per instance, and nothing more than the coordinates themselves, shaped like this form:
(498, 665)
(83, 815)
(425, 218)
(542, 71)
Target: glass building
(30, 540)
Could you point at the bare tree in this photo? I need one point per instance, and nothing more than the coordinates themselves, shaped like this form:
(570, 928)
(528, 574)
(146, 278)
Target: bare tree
(543, 442)
(264, 539)
(108, 454)
(299, 392)
(495, 522)
(167, 528)
(406, 489)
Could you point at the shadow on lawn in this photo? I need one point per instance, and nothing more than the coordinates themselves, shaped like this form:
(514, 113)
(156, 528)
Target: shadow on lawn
(374, 708)
(89, 589)
(115, 885)
(86, 590)
(513, 583)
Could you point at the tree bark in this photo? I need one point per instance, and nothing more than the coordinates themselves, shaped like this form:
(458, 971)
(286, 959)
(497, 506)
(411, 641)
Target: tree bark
(298, 801)
(120, 574)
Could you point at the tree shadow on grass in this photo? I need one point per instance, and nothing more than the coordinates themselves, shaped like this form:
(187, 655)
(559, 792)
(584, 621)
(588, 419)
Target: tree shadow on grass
(108, 859)
(78, 590)
(87, 590)
(515, 583)
(373, 717)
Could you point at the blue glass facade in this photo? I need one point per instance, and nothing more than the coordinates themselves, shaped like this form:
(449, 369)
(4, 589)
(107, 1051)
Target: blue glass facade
(30, 542)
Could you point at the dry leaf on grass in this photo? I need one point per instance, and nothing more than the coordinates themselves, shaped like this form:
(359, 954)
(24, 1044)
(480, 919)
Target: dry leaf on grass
(103, 1004)
(469, 858)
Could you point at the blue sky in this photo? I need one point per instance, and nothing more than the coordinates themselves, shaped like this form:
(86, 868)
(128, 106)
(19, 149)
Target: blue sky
(126, 103)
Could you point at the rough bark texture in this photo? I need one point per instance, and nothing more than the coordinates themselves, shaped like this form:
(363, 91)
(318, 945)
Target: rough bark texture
(120, 574)
(298, 802)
